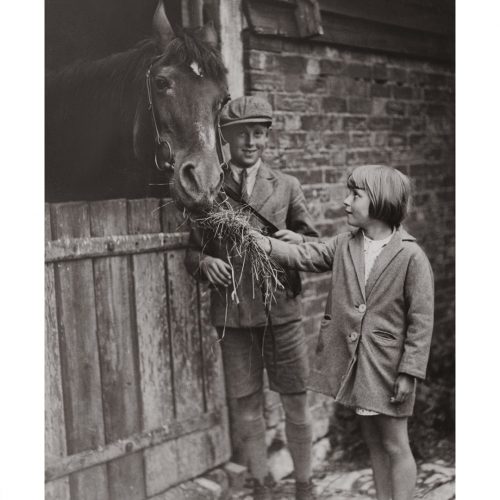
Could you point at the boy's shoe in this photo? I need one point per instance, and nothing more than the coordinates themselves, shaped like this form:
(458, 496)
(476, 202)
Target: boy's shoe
(304, 490)
(263, 491)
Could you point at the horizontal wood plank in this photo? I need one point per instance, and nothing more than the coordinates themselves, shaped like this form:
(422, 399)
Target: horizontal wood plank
(376, 36)
(107, 246)
(437, 18)
(60, 467)
(346, 26)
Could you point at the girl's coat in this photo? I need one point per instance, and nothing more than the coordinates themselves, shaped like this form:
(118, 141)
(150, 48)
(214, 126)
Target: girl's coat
(368, 337)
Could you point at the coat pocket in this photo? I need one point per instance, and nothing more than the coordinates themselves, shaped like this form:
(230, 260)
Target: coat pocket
(384, 337)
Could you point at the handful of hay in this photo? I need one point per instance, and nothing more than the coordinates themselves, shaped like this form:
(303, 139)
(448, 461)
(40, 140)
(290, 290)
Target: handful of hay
(232, 226)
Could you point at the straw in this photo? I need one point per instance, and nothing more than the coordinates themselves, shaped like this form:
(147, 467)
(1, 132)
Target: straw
(231, 226)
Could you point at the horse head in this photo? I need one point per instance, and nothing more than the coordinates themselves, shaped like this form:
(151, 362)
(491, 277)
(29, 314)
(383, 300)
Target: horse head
(186, 87)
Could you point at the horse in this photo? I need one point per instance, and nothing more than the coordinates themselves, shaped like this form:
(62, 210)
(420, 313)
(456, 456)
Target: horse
(113, 122)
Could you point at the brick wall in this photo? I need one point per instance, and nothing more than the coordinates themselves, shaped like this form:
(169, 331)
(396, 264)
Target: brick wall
(338, 108)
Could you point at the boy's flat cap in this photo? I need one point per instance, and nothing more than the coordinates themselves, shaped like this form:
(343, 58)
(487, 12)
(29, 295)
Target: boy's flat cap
(247, 109)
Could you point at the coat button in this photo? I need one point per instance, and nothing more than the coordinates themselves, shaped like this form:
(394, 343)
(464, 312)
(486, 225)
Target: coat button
(353, 336)
(362, 308)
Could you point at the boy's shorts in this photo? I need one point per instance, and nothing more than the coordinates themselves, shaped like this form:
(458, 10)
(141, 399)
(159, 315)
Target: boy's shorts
(284, 355)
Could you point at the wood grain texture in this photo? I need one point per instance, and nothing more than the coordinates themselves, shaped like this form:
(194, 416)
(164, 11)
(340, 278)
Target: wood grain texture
(162, 467)
(173, 220)
(57, 489)
(55, 432)
(213, 371)
(376, 36)
(117, 351)
(109, 246)
(185, 338)
(308, 17)
(79, 352)
(436, 18)
(203, 450)
(356, 25)
(152, 316)
(167, 433)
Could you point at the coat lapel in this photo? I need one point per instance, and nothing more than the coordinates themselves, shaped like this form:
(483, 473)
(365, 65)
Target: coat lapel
(358, 259)
(385, 257)
(263, 188)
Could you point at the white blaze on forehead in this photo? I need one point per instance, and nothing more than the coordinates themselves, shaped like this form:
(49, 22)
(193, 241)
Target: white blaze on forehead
(206, 135)
(196, 69)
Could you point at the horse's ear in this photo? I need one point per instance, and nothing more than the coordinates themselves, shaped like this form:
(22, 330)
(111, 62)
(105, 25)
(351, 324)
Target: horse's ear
(162, 29)
(208, 34)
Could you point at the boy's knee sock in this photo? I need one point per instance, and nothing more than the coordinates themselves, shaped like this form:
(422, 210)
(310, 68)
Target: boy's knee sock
(253, 433)
(299, 439)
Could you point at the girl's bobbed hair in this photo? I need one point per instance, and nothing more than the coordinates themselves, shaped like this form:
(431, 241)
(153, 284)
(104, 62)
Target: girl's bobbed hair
(389, 191)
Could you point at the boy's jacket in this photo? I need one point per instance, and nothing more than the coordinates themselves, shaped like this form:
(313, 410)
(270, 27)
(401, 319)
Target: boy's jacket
(279, 198)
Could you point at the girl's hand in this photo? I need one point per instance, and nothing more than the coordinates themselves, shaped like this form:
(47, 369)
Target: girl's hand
(216, 270)
(289, 236)
(261, 240)
(402, 388)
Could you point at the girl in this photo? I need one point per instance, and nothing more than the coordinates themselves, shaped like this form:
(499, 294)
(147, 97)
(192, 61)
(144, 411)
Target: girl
(375, 337)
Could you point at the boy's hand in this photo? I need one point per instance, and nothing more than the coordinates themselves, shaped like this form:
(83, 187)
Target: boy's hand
(216, 270)
(288, 236)
(402, 387)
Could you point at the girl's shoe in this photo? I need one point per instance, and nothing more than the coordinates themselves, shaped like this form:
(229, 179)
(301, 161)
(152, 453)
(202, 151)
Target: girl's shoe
(304, 490)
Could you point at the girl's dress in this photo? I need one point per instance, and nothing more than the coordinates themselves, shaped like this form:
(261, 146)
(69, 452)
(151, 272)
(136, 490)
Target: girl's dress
(371, 250)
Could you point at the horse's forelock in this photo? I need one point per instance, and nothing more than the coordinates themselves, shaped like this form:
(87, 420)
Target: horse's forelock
(188, 48)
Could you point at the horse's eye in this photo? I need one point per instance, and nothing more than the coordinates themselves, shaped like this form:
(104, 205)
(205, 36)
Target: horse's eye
(162, 83)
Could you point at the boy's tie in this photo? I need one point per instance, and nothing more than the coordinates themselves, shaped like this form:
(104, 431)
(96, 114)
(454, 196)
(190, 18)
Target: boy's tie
(244, 186)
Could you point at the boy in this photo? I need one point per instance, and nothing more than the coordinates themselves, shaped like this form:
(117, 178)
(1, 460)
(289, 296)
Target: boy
(250, 339)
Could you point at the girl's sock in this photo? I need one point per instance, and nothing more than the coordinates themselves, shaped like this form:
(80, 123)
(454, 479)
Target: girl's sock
(299, 439)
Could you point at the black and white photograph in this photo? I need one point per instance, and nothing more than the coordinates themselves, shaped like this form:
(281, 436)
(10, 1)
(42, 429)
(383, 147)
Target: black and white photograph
(249, 250)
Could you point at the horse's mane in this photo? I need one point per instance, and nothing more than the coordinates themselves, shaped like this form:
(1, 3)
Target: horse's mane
(118, 72)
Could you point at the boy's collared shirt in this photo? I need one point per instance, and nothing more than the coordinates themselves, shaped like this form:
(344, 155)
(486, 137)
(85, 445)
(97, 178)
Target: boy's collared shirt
(236, 172)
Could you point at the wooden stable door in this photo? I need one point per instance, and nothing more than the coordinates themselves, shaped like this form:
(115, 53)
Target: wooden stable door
(134, 396)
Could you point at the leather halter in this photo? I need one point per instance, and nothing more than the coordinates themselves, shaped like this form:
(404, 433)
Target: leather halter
(159, 140)
(162, 143)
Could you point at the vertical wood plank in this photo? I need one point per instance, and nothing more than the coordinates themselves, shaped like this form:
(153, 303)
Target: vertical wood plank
(185, 337)
(308, 18)
(203, 450)
(79, 353)
(57, 490)
(154, 346)
(118, 356)
(48, 229)
(55, 432)
(213, 370)
(172, 219)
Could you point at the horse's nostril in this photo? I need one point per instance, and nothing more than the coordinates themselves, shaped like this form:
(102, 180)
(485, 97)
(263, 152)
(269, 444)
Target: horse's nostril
(188, 177)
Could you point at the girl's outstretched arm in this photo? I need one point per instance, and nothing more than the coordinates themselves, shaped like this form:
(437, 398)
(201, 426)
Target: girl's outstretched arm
(419, 297)
(315, 257)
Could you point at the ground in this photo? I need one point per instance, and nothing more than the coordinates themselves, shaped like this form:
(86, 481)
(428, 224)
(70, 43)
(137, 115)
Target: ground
(346, 475)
